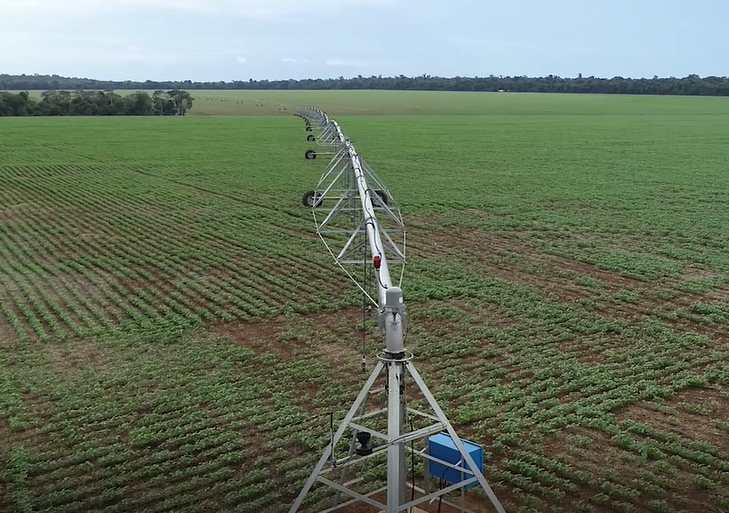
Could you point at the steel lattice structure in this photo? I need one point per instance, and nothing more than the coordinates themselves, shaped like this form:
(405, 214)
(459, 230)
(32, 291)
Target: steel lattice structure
(382, 427)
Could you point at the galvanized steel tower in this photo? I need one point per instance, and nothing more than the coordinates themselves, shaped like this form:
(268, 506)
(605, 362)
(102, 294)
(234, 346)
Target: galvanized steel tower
(380, 424)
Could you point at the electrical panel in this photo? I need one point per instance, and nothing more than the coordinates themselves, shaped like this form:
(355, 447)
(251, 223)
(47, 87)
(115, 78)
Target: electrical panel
(441, 446)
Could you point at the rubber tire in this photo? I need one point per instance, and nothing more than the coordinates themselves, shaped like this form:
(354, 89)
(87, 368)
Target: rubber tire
(310, 138)
(383, 196)
(308, 128)
(310, 155)
(308, 199)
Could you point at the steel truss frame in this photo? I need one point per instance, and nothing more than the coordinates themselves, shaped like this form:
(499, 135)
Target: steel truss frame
(345, 211)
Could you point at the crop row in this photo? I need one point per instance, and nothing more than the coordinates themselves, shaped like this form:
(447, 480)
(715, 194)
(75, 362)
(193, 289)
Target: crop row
(544, 343)
(185, 273)
(106, 446)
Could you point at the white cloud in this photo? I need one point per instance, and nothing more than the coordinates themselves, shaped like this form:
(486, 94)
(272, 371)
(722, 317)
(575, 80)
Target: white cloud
(78, 48)
(288, 59)
(16, 37)
(242, 60)
(244, 8)
(346, 63)
(208, 50)
(138, 55)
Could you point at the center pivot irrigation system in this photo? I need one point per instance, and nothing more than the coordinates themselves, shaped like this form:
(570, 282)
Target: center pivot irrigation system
(391, 422)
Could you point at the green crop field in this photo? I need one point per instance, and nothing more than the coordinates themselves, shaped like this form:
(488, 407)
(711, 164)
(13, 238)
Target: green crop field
(173, 335)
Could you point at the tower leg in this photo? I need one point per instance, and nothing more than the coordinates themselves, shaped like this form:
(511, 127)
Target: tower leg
(456, 439)
(352, 446)
(396, 463)
(337, 436)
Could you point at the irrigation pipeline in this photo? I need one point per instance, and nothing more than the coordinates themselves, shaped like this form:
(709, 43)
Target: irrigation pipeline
(389, 296)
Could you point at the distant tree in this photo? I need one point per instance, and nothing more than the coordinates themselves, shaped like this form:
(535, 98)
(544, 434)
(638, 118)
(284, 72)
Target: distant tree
(55, 103)
(163, 106)
(139, 104)
(95, 103)
(97, 97)
(20, 104)
(181, 101)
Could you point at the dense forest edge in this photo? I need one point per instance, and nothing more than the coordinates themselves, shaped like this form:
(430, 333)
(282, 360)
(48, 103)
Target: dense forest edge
(96, 103)
(689, 85)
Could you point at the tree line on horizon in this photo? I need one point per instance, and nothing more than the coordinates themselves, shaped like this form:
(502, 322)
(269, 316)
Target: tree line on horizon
(689, 85)
(96, 103)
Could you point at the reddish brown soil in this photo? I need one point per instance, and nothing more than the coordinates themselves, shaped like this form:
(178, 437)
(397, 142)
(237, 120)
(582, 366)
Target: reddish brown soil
(314, 337)
(518, 260)
(603, 455)
(6, 332)
(515, 260)
(75, 355)
(678, 416)
(476, 504)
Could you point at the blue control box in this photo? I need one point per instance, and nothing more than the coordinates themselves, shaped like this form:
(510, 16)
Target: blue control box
(441, 446)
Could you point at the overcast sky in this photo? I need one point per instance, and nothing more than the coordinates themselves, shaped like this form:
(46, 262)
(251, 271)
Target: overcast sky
(279, 39)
